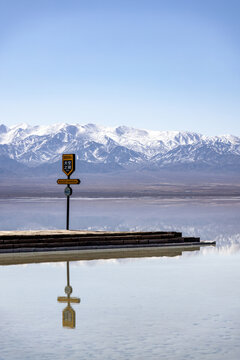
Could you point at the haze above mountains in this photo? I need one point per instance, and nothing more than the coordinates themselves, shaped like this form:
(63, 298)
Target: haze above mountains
(25, 148)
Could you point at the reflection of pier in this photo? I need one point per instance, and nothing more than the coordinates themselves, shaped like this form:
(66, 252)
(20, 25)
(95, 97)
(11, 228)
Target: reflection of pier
(76, 255)
(39, 241)
(68, 315)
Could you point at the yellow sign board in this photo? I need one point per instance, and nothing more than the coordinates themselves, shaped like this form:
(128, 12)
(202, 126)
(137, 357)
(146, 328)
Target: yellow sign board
(68, 163)
(68, 181)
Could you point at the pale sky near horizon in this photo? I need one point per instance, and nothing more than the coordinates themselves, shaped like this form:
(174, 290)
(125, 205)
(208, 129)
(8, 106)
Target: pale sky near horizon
(161, 65)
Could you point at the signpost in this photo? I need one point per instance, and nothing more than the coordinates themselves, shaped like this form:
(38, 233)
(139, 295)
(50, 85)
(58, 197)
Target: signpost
(68, 163)
(68, 167)
(68, 314)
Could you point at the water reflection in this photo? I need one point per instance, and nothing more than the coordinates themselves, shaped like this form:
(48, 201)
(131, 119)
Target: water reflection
(91, 255)
(68, 313)
(171, 307)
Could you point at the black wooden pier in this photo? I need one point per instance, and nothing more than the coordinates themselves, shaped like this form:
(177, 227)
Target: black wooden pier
(54, 240)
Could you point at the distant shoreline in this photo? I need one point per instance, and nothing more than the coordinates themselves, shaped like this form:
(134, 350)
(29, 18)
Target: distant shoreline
(118, 195)
(122, 187)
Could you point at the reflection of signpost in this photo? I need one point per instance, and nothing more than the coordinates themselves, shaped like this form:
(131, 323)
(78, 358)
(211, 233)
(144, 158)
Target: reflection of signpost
(68, 167)
(68, 315)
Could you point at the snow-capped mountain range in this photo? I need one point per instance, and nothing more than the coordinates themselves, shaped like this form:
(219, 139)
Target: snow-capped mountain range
(115, 148)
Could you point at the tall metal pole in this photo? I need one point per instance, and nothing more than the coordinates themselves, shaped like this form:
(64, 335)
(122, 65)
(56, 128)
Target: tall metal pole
(67, 222)
(68, 205)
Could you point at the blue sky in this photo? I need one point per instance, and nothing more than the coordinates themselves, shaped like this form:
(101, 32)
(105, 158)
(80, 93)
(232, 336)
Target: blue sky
(164, 65)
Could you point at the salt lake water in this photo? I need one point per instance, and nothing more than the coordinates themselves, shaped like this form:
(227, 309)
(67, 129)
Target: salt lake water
(162, 307)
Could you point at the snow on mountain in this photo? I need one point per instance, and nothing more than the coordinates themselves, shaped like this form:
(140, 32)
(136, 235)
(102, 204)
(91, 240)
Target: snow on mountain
(121, 146)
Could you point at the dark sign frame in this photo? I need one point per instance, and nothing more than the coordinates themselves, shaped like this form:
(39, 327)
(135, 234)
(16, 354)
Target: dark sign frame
(68, 163)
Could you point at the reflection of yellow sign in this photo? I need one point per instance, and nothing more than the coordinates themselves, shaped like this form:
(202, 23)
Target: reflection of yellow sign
(68, 317)
(68, 299)
(68, 163)
(68, 314)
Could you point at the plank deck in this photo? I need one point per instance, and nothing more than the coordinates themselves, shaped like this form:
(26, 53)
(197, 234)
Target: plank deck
(53, 240)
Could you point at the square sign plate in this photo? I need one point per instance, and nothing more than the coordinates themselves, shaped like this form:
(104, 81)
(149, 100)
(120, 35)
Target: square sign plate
(68, 163)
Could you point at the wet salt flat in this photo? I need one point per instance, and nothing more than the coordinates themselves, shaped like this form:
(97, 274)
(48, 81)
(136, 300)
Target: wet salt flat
(181, 307)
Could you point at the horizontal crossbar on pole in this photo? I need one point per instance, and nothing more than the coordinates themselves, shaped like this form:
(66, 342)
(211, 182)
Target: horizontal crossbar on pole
(68, 181)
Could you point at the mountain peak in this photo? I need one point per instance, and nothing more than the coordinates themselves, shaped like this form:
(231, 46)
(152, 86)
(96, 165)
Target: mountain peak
(3, 129)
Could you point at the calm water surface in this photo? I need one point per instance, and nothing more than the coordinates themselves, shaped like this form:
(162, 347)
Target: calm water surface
(181, 307)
